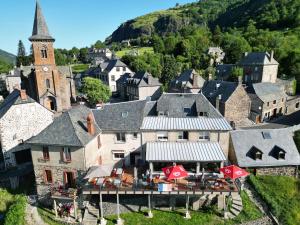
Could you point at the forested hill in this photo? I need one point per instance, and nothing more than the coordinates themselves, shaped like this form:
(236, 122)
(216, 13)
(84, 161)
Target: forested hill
(7, 57)
(271, 14)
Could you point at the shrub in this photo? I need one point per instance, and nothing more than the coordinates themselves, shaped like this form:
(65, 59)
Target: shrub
(16, 212)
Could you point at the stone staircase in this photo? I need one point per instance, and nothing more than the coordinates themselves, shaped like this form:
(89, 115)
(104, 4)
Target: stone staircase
(236, 207)
(91, 215)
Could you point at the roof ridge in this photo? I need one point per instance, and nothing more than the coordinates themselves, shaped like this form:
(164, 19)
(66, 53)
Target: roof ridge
(68, 113)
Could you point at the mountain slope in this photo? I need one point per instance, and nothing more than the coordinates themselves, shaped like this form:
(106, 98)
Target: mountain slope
(7, 57)
(271, 14)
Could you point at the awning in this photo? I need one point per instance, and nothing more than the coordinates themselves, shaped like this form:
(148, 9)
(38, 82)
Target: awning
(99, 171)
(184, 152)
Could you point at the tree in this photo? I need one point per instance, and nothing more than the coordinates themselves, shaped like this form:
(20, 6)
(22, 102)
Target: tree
(21, 49)
(22, 59)
(237, 72)
(95, 90)
(99, 44)
(171, 68)
(83, 55)
(158, 44)
(5, 67)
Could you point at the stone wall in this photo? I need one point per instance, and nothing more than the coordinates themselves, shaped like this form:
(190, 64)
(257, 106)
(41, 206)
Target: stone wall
(237, 107)
(282, 171)
(292, 104)
(20, 123)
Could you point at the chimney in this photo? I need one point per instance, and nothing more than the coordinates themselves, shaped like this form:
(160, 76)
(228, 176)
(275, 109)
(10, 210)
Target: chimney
(23, 95)
(240, 80)
(218, 99)
(272, 55)
(195, 80)
(90, 124)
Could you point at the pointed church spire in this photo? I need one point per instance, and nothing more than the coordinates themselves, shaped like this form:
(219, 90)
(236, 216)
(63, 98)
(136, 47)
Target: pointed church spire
(40, 29)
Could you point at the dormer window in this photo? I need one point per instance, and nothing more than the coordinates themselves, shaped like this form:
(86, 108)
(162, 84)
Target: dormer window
(186, 110)
(258, 155)
(281, 155)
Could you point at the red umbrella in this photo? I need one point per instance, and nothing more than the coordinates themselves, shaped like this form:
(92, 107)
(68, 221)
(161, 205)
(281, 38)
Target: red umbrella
(175, 172)
(234, 172)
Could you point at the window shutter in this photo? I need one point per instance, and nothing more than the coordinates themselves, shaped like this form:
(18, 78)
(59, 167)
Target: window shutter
(65, 178)
(45, 177)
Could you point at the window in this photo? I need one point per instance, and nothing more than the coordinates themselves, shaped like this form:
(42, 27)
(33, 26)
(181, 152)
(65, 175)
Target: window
(44, 53)
(282, 99)
(281, 155)
(183, 135)
(187, 110)
(135, 135)
(121, 137)
(48, 177)
(15, 137)
(297, 105)
(113, 78)
(162, 136)
(274, 102)
(258, 155)
(66, 154)
(118, 155)
(205, 114)
(268, 103)
(124, 68)
(46, 155)
(47, 83)
(204, 136)
(266, 135)
(118, 69)
(161, 113)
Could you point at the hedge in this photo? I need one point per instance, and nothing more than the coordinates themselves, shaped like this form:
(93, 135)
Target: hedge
(16, 212)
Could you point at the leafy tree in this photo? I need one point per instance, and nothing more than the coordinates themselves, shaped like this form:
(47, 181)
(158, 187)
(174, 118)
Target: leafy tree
(83, 55)
(170, 70)
(21, 49)
(95, 90)
(158, 44)
(5, 67)
(99, 44)
(237, 72)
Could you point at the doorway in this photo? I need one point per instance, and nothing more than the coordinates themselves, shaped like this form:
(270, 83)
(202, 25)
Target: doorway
(69, 180)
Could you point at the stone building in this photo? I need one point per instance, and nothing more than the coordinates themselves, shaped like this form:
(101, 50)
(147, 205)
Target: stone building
(109, 72)
(65, 150)
(259, 67)
(48, 84)
(139, 86)
(98, 56)
(272, 153)
(20, 118)
(268, 101)
(187, 82)
(231, 99)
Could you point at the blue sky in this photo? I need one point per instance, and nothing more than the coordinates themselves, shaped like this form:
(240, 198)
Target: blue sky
(72, 22)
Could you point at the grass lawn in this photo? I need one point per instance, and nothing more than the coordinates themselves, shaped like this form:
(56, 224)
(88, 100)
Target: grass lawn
(207, 216)
(282, 194)
(141, 51)
(79, 68)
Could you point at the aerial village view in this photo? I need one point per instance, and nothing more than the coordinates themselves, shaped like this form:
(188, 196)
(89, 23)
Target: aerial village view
(136, 112)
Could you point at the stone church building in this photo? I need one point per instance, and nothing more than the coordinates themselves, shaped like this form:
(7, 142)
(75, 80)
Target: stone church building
(50, 85)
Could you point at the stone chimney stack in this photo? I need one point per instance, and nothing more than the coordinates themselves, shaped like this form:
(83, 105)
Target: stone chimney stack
(90, 124)
(218, 99)
(272, 55)
(23, 95)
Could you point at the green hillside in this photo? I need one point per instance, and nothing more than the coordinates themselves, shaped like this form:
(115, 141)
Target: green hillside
(7, 57)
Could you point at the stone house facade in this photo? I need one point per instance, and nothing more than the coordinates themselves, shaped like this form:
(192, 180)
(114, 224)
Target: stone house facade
(20, 118)
(230, 98)
(268, 101)
(64, 151)
(272, 153)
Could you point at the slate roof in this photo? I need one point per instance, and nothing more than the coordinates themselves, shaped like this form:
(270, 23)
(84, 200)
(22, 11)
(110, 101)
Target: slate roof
(40, 29)
(267, 91)
(223, 71)
(106, 66)
(113, 63)
(69, 129)
(282, 138)
(174, 104)
(184, 152)
(123, 78)
(143, 79)
(124, 116)
(213, 88)
(258, 58)
(13, 99)
(186, 80)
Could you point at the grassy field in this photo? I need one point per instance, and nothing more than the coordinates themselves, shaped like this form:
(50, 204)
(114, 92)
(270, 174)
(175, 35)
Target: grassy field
(141, 51)
(208, 216)
(79, 68)
(282, 194)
